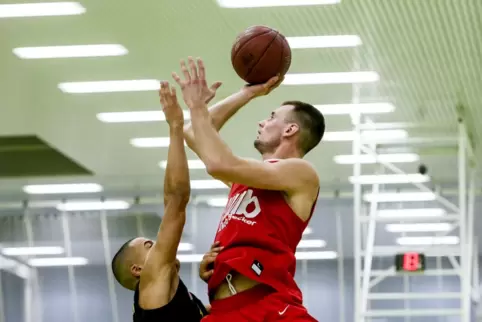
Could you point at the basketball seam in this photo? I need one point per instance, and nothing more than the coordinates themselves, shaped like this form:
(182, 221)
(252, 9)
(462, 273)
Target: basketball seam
(247, 41)
(264, 53)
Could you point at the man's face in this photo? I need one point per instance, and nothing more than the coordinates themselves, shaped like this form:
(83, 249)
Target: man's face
(272, 130)
(140, 248)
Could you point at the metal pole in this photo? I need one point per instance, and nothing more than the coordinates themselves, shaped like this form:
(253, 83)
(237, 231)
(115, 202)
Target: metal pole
(357, 204)
(140, 226)
(304, 279)
(194, 229)
(2, 306)
(32, 308)
(357, 193)
(28, 299)
(462, 174)
(475, 270)
(370, 243)
(70, 269)
(107, 259)
(440, 281)
(341, 264)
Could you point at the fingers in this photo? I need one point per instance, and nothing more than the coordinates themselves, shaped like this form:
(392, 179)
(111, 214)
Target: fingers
(193, 68)
(201, 69)
(177, 78)
(167, 94)
(271, 82)
(173, 93)
(214, 87)
(184, 70)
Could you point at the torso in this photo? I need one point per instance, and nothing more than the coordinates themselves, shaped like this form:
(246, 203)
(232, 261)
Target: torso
(259, 231)
(184, 307)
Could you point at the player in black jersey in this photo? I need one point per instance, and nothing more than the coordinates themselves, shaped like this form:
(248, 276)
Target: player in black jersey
(150, 268)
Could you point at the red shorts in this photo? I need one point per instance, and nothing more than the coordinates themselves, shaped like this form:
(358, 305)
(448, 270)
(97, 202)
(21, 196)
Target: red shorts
(259, 304)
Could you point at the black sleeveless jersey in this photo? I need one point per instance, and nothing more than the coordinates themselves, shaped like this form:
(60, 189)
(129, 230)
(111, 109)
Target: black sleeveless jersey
(184, 307)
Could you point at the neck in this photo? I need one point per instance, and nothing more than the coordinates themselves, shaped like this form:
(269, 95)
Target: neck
(282, 152)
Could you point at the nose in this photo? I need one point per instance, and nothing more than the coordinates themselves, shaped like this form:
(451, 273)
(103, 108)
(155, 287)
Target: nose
(261, 123)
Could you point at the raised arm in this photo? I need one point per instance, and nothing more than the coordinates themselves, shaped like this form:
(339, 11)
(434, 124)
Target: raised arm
(291, 175)
(222, 111)
(160, 279)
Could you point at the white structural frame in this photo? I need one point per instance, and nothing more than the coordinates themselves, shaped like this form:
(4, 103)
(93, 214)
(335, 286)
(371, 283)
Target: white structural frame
(462, 217)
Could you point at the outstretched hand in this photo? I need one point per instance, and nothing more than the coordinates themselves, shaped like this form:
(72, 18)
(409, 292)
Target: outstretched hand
(194, 87)
(170, 106)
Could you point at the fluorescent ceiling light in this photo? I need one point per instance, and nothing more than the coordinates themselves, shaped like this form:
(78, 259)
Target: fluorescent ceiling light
(316, 255)
(131, 117)
(110, 86)
(370, 135)
(58, 261)
(417, 228)
(371, 159)
(390, 179)
(93, 205)
(70, 51)
(197, 258)
(272, 3)
(307, 231)
(192, 164)
(208, 184)
(190, 258)
(324, 41)
(311, 243)
(159, 142)
(62, 188)
(428, 240)
(184, 247)
(330, 78)
(32, 251)
(399, 196)
(40, 9)
(362, 108)
(414, 212)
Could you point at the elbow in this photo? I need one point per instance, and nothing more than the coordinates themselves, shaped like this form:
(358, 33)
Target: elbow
(217, 169)
(179, 197)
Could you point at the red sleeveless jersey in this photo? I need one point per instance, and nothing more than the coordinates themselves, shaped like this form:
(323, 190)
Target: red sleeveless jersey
(259, 232)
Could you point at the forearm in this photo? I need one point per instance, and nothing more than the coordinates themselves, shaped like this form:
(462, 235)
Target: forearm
(220, 113)
(211, 149)
(176, 179)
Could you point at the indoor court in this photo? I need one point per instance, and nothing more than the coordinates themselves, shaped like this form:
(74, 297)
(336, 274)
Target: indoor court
(83, 150)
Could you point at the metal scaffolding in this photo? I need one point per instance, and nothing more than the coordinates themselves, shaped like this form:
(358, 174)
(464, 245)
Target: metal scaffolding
(367, 214)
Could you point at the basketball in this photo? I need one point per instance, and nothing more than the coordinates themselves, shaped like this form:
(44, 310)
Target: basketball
(260, 53)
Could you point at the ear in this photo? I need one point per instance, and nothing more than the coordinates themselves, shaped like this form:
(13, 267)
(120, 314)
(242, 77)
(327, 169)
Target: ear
(136, 270)
(291, 129)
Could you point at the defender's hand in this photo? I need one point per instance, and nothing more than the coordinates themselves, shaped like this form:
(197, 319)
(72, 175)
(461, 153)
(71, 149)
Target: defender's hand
(206, 268)
(170, 106)
(195, 89)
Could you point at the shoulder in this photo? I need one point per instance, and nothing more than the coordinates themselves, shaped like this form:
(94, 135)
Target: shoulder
(303, 169)
(180, 306)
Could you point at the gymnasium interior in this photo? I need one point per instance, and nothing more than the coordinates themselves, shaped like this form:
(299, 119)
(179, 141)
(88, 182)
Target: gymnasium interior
(83, 149)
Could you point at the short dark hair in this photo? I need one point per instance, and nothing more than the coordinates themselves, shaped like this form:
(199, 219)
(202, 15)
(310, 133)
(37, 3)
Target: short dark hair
(311, 122)
(119, 268)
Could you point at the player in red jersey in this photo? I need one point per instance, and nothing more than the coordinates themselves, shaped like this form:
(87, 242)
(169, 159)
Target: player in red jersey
(270, 202)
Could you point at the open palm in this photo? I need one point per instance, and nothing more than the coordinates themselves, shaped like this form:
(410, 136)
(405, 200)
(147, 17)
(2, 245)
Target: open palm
(194, 85)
